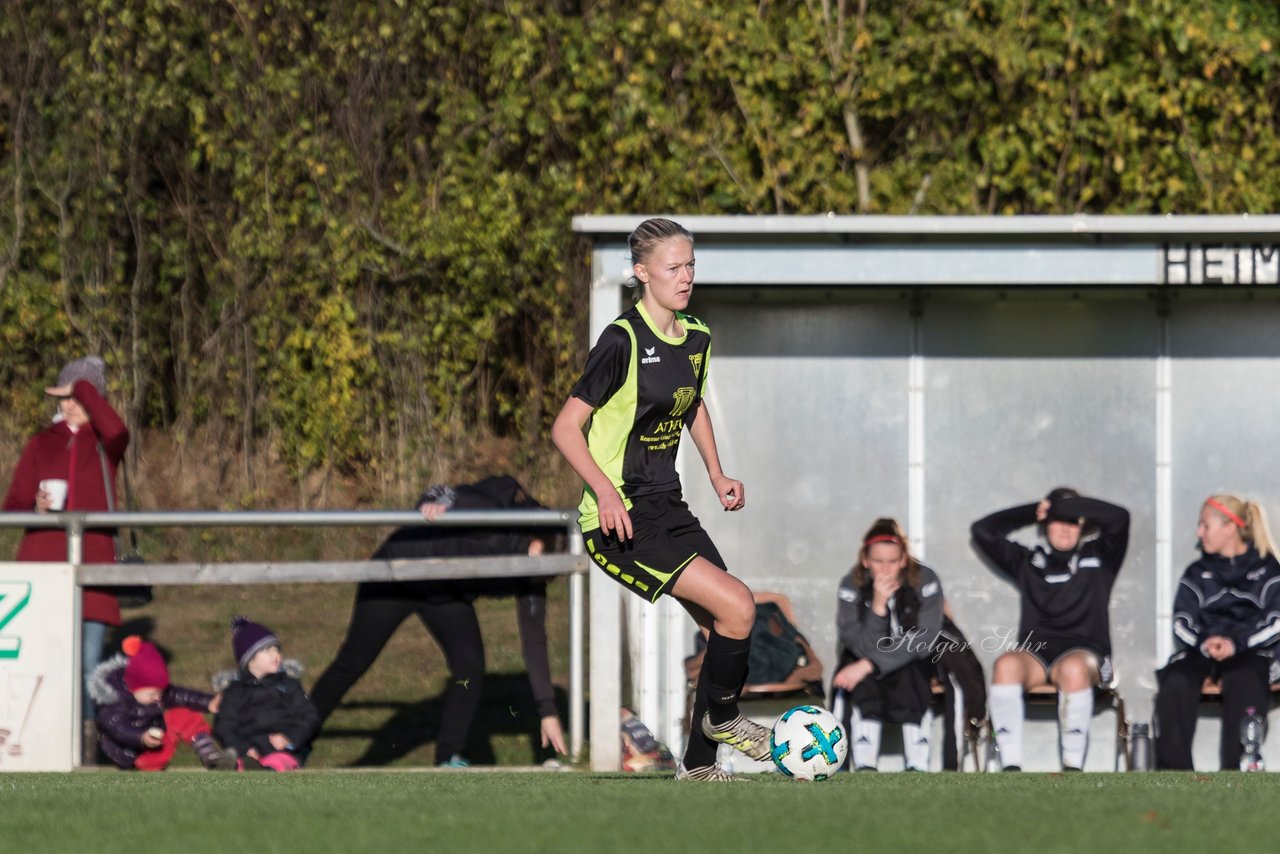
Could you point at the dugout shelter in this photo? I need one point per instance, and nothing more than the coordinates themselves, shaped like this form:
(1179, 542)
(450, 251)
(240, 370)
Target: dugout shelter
(938, 368)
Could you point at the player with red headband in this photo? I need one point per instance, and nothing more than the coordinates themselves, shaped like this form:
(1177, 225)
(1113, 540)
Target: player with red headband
(888, 617)
(1226, 624)
(1064, 631)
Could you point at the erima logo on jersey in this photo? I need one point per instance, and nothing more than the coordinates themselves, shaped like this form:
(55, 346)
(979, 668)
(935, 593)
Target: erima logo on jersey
(929, 589)
(847, 595)
(649, 358)
(1257, 573)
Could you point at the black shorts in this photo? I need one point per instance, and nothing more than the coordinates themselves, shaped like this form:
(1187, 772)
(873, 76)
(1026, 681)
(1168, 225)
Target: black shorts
(666, 537)
(1049, 653)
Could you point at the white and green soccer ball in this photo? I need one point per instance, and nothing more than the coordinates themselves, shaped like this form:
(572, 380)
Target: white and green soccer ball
(808, 743)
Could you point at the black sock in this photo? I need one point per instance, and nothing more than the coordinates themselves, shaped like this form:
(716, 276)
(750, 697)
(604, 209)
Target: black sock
(700, 751)
(725, 665)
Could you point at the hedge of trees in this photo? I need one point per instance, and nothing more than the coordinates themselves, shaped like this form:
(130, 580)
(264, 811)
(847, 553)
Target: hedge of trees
(336, 235)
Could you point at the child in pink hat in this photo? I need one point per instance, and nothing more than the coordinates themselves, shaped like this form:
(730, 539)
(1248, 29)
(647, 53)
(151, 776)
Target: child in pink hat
(142, 718)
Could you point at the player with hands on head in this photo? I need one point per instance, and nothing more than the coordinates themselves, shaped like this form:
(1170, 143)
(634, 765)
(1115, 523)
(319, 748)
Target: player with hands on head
(1064, 631)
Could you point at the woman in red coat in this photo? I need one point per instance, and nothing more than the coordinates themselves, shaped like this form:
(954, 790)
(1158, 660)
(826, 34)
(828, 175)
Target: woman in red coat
(82, 449)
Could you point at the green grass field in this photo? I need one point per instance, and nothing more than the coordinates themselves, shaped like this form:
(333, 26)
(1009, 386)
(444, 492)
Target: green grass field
(351, 811)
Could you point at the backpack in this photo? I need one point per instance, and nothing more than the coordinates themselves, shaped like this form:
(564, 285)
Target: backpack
(775, 646)
(779, 652)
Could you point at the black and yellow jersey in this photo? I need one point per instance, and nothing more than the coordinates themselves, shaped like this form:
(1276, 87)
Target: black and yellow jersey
(645, 388)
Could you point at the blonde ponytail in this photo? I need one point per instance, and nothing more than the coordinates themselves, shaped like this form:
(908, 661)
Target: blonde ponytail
(1258, 530)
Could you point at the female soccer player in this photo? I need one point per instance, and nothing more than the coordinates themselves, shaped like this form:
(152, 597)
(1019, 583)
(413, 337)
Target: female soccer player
(889, 615)
(642, 386)
(1226, 624)
(1064, 632)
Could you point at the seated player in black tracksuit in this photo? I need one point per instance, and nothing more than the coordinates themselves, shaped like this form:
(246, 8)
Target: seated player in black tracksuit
(1064, 632)
(888, 617)
(1226, 625)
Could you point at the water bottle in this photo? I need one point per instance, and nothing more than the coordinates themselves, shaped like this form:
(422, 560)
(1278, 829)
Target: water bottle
(1140, 747)
(1252, 732)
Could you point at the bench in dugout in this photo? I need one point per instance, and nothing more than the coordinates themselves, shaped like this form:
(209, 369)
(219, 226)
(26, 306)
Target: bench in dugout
(1211, 692)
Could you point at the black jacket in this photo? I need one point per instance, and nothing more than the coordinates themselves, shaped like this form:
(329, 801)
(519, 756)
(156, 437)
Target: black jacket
(906, 634)
(122, 720)
(252, 709)
(1237, 598)
(1064, 595)
(491, 493)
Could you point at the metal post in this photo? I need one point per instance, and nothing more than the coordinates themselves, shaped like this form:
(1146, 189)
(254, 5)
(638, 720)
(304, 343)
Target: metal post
(75, 538)
(577, 625)
(75, 556)
(1166, 580)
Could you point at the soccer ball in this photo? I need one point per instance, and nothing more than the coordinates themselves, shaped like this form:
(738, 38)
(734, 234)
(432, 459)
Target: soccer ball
(808, 743)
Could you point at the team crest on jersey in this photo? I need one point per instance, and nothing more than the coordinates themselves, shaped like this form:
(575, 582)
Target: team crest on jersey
(684, 399)
(695, 359)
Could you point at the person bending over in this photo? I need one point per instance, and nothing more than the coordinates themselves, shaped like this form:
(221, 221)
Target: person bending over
(446, 609)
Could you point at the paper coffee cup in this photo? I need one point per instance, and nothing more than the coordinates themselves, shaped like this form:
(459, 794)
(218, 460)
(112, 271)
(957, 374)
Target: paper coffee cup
(57, 492)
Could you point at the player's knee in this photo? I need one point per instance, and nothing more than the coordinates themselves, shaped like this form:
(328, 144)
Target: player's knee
(739, 613)
(1008, 670)
(1074, 673)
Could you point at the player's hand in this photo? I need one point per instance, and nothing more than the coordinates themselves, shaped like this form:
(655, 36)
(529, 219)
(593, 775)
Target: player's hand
(215, 703)
(42, 501)
(150, 741)
(613, 515)
(432, 511)
(1042, 510)
(553, 734)
(279, 740)
(732, 494)
(1220, 648)
(882, 590)
(850, 675)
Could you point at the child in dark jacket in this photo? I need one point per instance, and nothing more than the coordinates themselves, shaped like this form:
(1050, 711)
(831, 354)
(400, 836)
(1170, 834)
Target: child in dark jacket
(265, 716)
(142, 718)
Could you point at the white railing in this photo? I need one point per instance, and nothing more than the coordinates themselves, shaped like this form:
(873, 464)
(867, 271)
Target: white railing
(574, 565)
